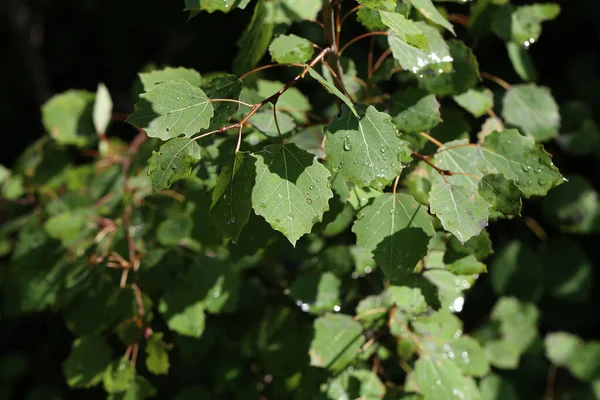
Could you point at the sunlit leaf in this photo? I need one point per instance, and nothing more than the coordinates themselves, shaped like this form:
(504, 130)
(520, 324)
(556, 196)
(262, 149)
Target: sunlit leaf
(291, 49)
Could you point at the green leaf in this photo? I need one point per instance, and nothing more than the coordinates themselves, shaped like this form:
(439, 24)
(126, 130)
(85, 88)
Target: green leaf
(317, 293)
(561, 347)
(231, 198)
(366, 149)
(264, 121)
(521, 62)
(102, 109)
(518, 158)
(523, 25)
(295, 103)
(502, 354)
(172, 162)
(494, 387)
(254, 41)
(441, 379)
(408, 300)
(429, 11)
(157, 356)
(502, 194)
(309, 139)
(396, 229)
(336, 343)
(462, 213)
(468, 265)
(288, 11)
(383, 5)
(187, 322)
(370, 19)
(291, 190)
(405, 29)
(68, 118)
(533, 109)
(436, 58)
(573, 206)
(119, 376)
(171, 231)
(463, 76)
(469, 356)
(139, 389)
(152, 78)
(291, 49)
(88, 359)
(214, 5)
(517, 271)
(171, 109)
(414, 110)
(222, 87)
(332, 89)
(476, 101)
(572, 284)
(362, 383)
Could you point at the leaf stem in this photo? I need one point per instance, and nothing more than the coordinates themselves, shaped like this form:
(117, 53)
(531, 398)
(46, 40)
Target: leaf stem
(349, 13)
(395, 184)
(277, 123)
(364, 35)
(443, 172)
(270, 66)
(380, 60)
(231, 101)
(536, 228)
(456, 146)
(331, 25)
(458, 18)
(495, 79)
(431, 139)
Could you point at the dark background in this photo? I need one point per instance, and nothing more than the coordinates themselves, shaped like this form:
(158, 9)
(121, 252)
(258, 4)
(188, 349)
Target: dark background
(49, 46)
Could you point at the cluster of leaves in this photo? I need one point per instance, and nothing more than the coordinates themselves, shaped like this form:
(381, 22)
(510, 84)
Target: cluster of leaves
(245, 244)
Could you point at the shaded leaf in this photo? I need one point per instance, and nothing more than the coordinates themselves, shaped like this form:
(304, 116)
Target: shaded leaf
(441, 379)
(254, 41)
(533, 109)
(172, 162)
(503, 195)
(396, 229)
(366, 150)
(521, 62)
(87, 361)
(264, 121)
(232, 195)
(336, 343)
(222, 87)
(384, 5)
(171, 109)
(408, 300)
(414, 110)
(214, 5)
(118, 376)
(188, 322)
(494, 387)
(361, 383)
(291, 190)
(317, 293)
(288, 11)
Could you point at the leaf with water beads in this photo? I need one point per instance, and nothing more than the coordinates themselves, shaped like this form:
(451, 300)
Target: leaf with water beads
(414, 110)
(439, 378)
(171, 109)
(172, 162)
(291, 190)
(462, 211)
(502, 194)
(405, 29)
(518, 158)
(366, 150)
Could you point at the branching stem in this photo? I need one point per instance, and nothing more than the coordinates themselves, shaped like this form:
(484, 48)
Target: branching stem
(495, 79)
(231, 101)
(364, 35)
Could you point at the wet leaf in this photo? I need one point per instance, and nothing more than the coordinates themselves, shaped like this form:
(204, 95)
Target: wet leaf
(172, 162)
(414, 110)
(533, 109)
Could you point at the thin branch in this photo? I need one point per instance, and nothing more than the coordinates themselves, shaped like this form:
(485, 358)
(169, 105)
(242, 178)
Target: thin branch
(239, 140)
(364, 35)
(350, 13)
(550, 382)
(330, 31)
(231, 101)
(495, 79)
(270, 66)
(443, 172)
(456, 146)
(536, 228)
(381, 59)
(431, 139)
(458, 18)
(370, 58)
(277, 123)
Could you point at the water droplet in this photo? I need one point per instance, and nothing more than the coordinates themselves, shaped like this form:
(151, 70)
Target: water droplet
(438, 382)
(347, 144)
(368, 270)
(396, 213)
(542, 182)
(529, 182)
(178, 98)
(311, 187)
(526, 168)
(216, 294)
(336, 308)
(382, 150)
(391, 211)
